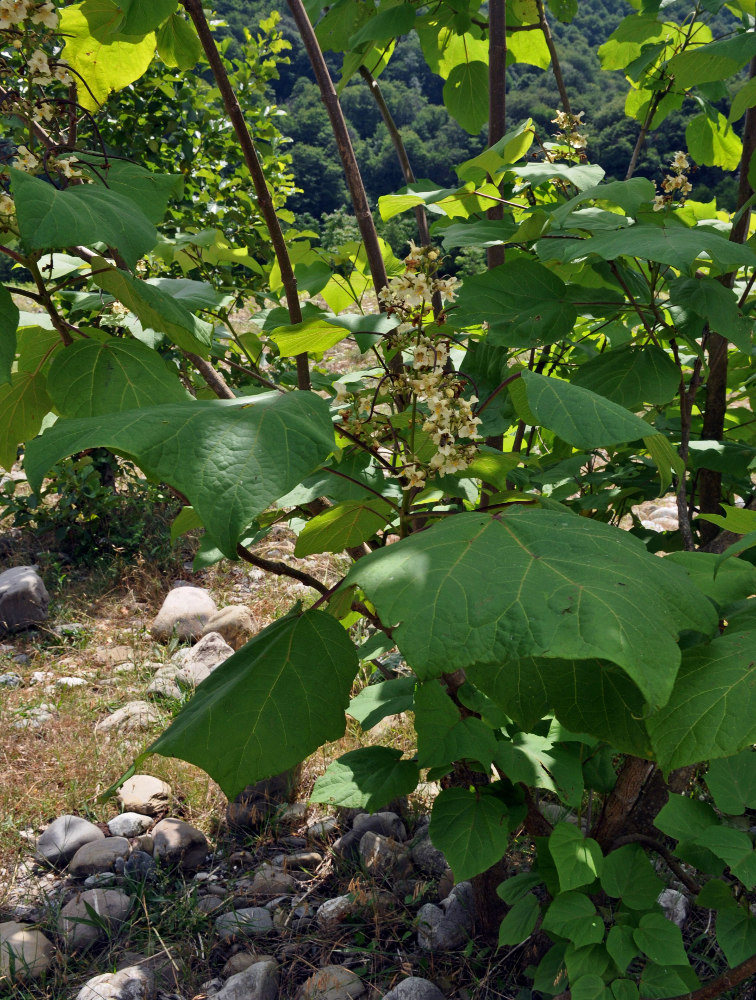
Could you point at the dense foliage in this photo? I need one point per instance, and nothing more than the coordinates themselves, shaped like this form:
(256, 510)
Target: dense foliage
(475, 463)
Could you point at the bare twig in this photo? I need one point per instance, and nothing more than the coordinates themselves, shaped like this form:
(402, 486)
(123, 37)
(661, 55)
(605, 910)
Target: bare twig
(281, 569)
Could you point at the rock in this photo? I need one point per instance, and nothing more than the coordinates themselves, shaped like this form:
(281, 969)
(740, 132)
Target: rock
(256, 803)
(70, 682)
(234, 623)
(446, 927)
(63, 838)
(427, 858)
(25, 952)
(113, 656)
(132, 983)
(11, 680)
(257, 982)
(144, 794)
(163, 684)
(388, 824)
(23, 599)
(321, 829)
(251, 921)
(133, 717)
(676, 906)
(79, 930)
(35, 718)
(382, 857)
(129, 824)
(332, 982)
(208, 905)
(139, 867)
(238, 963)
(271, 881)
(178, 843)
(98, 856)
(333, 911)
(414, 988)
(185, 612)
(208, 654)
(307, 860)
(348, 846)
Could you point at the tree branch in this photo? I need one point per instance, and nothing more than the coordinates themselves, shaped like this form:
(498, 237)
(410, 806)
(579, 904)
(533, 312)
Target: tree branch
(281, 569)
(555, 64)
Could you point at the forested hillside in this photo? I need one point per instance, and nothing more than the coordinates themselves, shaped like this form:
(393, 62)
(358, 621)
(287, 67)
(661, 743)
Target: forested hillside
(434, 141)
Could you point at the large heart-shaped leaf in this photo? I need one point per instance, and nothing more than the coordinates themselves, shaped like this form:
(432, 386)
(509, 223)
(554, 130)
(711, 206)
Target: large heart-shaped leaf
(367, 778)
(231, 459)
(150, 191)
(630, 376)
(471, 826)
(481, 588)
(92, 377)
(268, 706)
(49, 219)
(8, 327)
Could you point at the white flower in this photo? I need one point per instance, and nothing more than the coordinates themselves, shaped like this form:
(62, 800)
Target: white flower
(659, 202)
(25, 160)
(680, 161)
(6, 205)
(60, 72)
(46, 15)
(342, 394)
(13, 12)
(38, 64)
(66, 167)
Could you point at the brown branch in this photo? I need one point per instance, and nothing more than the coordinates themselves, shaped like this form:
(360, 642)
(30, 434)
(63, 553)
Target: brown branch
(252, 161)
(716, 987)
(619, 803)
(281, 569)
(213, 379)
(556, 68)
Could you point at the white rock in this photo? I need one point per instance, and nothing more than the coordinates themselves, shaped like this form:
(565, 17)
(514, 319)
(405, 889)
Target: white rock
(208, 654)
(11, 680)
(63, 838)
(132, 983)
(271, 881)
(23, 599)
(333, 911)
(70, 682)
(446, 927)
(332, 982)
(676, 906)
(79, 929)
(414, 988)
(133, 717)
(25, 953)
(234, 623)
(144, 794)
(129, 824)
(252, 921)
(257, 982)
(185, 612)
(382, 857)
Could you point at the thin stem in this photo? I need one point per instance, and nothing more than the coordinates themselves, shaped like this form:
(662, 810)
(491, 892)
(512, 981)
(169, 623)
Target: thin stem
(252, 161)
(58, 322)
(655, 101)
(716, 987)
(281, 569)
(555, 65)
(213, 379)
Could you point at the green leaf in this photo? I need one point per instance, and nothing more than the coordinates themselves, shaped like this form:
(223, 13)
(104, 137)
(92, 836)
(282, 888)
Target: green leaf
(590, 987)
(141, 16)
(592, 960)
(666, 458)
(155, 309)
(150, 191)
(367, 778)
(384, 25)
(452, 608)
(517, 886)
(471, 826)
(739, 520)
(187, 519)
(712, 710)
(629, 875)
(376, 701)
(509, 149)
(736, 934)
(630, 376)
(624, 989)
(573, 916)
(735, 848)
(684, 818)
(578, 859)
(716, 895)
(178, 44)
(551, 975)
(520, 922)
(582, 176)
(580, 417)
(23, 405)
(621, 945)
(723, 583)
(718, 305)
(659, 981)
(8, 326)
(712, 141)
(523, 302)
(226, 457)
(743, 100)
(679, 247)
(713, 61)
(466, 95)
(481, 233)
(104, 62)
(268, 706)
(443, 736)
(537, 762)
(313, 336)
(732, 782)
(563, 10)
(343, 526)
(92, 377)
(49, 219)
(660, 940)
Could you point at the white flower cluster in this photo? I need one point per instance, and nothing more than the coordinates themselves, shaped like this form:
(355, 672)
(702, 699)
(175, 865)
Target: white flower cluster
(569, 134)
(675, 183)
(434, 394)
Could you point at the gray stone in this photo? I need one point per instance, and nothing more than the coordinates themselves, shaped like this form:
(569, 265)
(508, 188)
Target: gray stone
(11, 680)
(414, 988)
(133, 717)
(144, 794)
(256, 803)
(333, 911)
(382, 857)
(35, 718)
(113, 656)
(63, 838)
(163, 684)
(348, 846)
(208, 654)
(320, 829)
(448, 926)
(271, 881)
(139, 866)
(23, 599)
(676, 906)
(238, 962)
(79, 929)
(388, 824)
(308, 860)
(332, 982)
(234, 623)
(251, 921)
(185, 612)
(129, 824)
(132, 983)
(257, 982)
(98, 856)
(427, 858)
(25, 952)
(178, 843)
